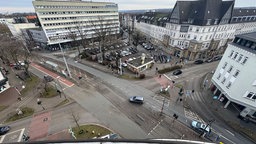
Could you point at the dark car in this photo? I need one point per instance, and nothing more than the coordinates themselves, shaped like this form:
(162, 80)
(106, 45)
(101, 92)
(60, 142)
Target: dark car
(177, 72)
(4, 129)
(136, 99)
(198, 61)
(216, 58)
(209, 60)
(48, 78)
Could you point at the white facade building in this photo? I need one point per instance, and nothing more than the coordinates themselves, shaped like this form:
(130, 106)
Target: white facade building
(235, 77)
(4, 84)
(201, 30)
(16, 28)
(59, 18)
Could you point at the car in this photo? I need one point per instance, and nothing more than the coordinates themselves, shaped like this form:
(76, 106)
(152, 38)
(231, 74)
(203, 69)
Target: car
(200, 127)
(177, 72)
(136, 99)
(4, 129)
(48, 78)
(124, 64)
(209, 60)
(199, 61)
(216, 58)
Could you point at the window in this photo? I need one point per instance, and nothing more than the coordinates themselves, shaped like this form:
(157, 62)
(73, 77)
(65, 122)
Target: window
(236, 73)
(229, 85)
(219, 76)
(231, 54)
(240, 58)
(251, 95)
(235, 55)
(230, 69)
(245, 60)
(225, 65)
(223, 81)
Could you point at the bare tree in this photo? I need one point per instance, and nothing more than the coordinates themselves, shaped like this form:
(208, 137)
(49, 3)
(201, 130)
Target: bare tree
(103, 29)
(75, 118)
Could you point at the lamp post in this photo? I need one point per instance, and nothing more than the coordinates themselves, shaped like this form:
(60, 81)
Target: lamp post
(59, 91)
(65, 61)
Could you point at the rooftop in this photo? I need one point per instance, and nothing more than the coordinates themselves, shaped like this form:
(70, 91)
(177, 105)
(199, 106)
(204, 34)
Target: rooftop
(248, 36)
(137, 62)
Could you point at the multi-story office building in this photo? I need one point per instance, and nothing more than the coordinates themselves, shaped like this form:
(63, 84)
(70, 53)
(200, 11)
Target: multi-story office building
(235, 78)
(60, 18)
(199, 28)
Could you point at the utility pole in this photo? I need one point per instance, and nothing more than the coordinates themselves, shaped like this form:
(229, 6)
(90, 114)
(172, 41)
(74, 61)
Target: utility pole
(60, 86)
(65, 61)
(120, 65)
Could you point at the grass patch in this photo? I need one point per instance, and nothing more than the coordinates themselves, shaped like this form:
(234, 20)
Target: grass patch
(243, 130)
(30, 84)
(62, 103)
(2, 108)
(51, 92)
(165, 94)
(26, 112)
(178, 85)
(87, 134)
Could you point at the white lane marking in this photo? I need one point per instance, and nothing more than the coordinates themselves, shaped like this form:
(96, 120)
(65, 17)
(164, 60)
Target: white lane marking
(21, 134)
(230, 132)
(227, 139)
(155, 126)
(2, 139)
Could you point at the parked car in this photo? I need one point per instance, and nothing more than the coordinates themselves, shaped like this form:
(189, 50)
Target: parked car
(209, 60)
(4, 129)
(48, 78)
(136, 99)
(200, 127)
(216, 58)
(124, 65)
(199, 61)
(177, 72)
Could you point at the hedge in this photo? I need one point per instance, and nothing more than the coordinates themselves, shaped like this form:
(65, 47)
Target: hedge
(168, 69)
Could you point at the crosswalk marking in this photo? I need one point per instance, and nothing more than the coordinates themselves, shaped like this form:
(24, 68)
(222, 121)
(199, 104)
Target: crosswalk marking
(196, 96)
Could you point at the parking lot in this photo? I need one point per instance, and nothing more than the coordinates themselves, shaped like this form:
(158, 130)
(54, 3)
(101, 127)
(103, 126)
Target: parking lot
(12, 137)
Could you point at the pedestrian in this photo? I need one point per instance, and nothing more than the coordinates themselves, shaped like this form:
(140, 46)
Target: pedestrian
(160, 76)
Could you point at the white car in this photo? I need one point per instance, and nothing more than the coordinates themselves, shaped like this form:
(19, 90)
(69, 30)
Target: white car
(124, 64)
(201, 127)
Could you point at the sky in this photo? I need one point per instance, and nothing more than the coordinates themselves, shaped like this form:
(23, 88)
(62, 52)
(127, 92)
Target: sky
(11, 6)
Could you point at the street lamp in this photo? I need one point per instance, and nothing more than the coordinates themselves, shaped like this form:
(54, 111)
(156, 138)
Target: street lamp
(65, 61)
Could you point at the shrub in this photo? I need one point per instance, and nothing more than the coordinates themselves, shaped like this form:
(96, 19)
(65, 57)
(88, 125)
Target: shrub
(168, 69)
(142, 76)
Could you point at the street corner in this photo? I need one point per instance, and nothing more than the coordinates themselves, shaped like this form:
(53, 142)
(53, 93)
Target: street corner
(12, 137)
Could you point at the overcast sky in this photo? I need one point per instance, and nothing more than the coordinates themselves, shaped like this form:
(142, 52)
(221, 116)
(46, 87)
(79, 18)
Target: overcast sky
(26, 5)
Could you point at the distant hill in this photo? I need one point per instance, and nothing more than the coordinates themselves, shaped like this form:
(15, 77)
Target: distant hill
(143, 11)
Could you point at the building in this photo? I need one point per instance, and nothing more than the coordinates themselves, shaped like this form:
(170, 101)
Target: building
(16, 28)
(199, 28)
(37, 36)
(61, 18)
(140, 64)
(235, 78)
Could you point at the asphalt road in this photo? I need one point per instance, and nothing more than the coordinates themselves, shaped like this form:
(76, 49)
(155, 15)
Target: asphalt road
(191, 77)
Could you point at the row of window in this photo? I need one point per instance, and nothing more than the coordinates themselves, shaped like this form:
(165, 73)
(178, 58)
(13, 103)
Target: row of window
(245, 43)
(75, 12)
(65, 37)
(238, 57)
(75, 7)
(243, 18)
(251, 95)
(77, 17)
(75, 23)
